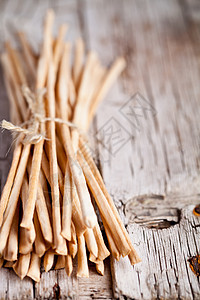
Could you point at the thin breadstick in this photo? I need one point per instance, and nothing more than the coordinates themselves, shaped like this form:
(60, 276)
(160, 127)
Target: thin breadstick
(22, 265)
(60, 264)
(30, 59)
(103, 251)
(112, 74)
(26, 240)
(42, 212)
(86, 93)
(78, 61)
(67, 205)
(16, 81)
(27, 237)
(77, 215)
(43, 216)
(40, 246)
(45, 166)
(72, 99)
(34, 268)
(59, 45)
(48, 260)
(73, 234)
(68, 265)
(58, 239)
(62, 159)
(82, 96)
(91, 242)
(82, 270)
(112, 246)
(100, 267)
(11, 250)
(17, 65)
(73, 248)
(104, 208)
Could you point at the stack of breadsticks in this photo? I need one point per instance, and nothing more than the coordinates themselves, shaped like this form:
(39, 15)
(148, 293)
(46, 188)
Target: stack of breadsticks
(47, 207)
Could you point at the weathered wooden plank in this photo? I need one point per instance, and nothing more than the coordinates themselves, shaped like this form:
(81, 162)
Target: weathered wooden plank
(164, 271)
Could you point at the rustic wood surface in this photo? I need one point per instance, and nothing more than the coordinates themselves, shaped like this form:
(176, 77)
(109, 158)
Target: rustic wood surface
(145, 137)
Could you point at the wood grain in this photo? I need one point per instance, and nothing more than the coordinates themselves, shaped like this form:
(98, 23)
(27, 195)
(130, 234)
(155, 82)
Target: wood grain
(151, 165)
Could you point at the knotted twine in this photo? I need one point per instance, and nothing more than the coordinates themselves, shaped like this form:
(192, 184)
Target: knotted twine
(34, 132)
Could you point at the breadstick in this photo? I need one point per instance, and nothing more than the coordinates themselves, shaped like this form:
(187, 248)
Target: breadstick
(73, 248)
(103, 252)
(27, 237)
(22, 265)
(91, 242)
(39, 244)
(78, 61)
(60, 264)
(112, 245)
(34, 268)
(59, 45)
(82, 270)
(17, 65)
(11, 250)
(48, 260)
(58, 239)
(68, 265)
(67, 205)
(100, 267)
(29, 57)
(117, 67)
(73, 234)
(42, 211)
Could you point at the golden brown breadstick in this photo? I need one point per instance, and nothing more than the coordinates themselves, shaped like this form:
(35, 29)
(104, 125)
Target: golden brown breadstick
(22, 265)
(11, 250)
(34, 267)
(100, 267)
(60, 264)
(48, 260)
(82, 270)
(68, 265)
(91, 242)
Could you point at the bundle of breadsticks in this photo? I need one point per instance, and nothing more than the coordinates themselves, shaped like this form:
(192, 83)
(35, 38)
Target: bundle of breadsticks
(53, 189)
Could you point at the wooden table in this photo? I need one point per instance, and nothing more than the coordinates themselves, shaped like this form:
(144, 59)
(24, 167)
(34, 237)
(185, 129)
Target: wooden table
(146, 139)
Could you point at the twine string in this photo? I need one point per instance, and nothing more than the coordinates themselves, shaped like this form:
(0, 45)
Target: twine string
(34, 132)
